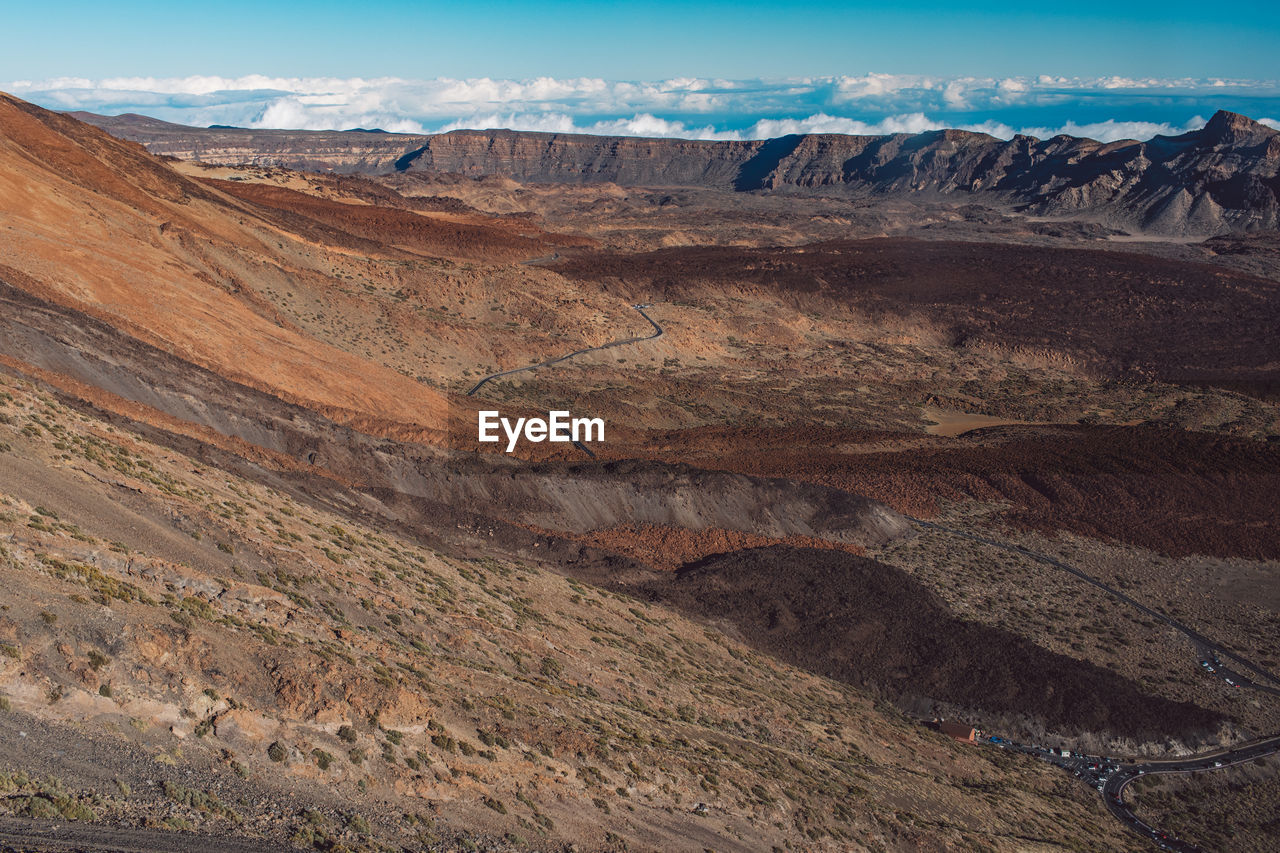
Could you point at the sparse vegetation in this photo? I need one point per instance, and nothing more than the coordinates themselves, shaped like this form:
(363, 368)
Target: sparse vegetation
(201, 801)
(479, 677)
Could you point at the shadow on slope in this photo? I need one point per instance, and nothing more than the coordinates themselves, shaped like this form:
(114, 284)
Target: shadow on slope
(867, 623)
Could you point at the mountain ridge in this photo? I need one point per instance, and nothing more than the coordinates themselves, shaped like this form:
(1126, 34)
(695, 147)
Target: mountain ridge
(252, 544)
(1223, 178)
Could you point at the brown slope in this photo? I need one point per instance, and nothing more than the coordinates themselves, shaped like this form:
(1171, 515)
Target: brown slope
(329, 644)
(1172, 491)
(452, 235)
(34, 140)
(101, 226)
(343, 152)
(868, 623)
(1117, 312)
(435, 493)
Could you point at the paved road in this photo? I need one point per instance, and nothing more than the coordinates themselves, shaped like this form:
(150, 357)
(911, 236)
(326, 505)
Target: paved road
(657, 333)
(1208, 650)
(1110, 775)
(1114, 785)
(48, 836)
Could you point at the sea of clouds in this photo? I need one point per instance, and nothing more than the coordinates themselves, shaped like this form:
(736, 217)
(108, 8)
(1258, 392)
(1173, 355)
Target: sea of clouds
(1106, 108)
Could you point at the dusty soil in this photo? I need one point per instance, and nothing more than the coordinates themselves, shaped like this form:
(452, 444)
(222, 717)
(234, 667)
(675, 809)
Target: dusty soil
(240, 494)
(873, 625)
(951, 424)
(1235, 808)
(239, 631)
(1114, 312)
(434, 234)
(667, 547)
(1170, 491)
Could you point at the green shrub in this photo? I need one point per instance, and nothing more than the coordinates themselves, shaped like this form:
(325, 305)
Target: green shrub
(199, 800)
(551, 667)
(199, 607)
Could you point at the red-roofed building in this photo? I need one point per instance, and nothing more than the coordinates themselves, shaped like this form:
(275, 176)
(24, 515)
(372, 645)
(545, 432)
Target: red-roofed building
(959, 731)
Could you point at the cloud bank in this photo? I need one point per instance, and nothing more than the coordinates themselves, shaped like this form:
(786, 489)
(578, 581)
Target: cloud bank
(1105, 108)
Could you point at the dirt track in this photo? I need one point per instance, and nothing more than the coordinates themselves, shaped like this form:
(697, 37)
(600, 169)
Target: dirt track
(657, 332)
(18, 834)
(1124, 314)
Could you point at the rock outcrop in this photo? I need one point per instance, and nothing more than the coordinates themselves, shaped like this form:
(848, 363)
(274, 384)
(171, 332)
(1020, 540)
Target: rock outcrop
(1223, 178)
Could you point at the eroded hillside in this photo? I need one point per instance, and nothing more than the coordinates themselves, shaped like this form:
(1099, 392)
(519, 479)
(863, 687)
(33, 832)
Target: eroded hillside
(253, 540)
(1216, 180)
(161, 617)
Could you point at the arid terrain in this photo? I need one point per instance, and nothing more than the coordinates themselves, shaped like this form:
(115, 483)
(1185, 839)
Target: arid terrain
(902, 428)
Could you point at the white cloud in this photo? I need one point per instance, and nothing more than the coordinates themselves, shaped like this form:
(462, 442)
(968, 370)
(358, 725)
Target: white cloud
(823, 123)
(640, 124)
(694, 107)
(645, 124)
(1112, 130)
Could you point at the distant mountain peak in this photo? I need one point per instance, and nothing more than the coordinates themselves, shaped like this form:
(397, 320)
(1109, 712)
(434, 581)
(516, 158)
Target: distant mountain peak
(1219, 179)
(1228, 127)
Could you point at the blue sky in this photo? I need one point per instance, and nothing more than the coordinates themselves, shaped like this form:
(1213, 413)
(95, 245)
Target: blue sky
(647, 41)
(1136, 64)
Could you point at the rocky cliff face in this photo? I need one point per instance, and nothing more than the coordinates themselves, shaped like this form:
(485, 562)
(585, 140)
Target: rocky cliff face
(1222, 178)
(571, 158)
(348, 152)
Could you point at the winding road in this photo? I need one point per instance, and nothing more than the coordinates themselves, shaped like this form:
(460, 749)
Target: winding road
(1114, 785)
(657, 333)
(1110, 776)
(1207, 650)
